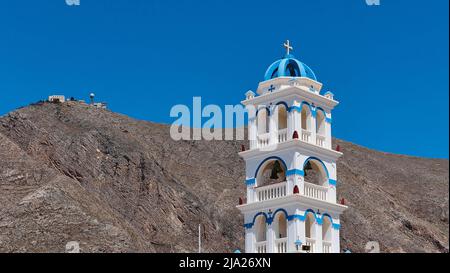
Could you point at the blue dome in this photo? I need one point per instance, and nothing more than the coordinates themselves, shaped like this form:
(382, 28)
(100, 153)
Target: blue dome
(289, 67)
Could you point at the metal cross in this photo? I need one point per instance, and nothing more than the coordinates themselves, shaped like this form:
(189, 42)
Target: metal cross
(272, 88)
(288, 46)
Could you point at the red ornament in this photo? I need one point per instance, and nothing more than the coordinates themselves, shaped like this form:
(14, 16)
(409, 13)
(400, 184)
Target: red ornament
(241, 201)
(338, 148)
(242, 148)
(343, 201)
(296, 190)
(295, 136)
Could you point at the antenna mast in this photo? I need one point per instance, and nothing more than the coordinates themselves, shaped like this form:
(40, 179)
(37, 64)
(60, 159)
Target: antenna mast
(199, 239)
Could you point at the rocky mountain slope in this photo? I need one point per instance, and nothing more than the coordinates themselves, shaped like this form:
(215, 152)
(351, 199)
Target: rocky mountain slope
(70, 172)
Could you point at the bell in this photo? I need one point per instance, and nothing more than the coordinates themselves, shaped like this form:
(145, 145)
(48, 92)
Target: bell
(275, 170)
(308, 166)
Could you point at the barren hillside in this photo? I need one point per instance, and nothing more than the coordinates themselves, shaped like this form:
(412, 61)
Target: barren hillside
(70, 172)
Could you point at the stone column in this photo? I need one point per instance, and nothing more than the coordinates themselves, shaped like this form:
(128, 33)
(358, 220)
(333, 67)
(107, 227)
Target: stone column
(313, 127)
(250, 240)
(332, 183)
(252, 133)
(273, 126)
(296, 119)
(300, 231)
(291, 236)
(270, 238)
(335, 240)
(290, 124)
(250, 194)
(328, 134)
(319, 245)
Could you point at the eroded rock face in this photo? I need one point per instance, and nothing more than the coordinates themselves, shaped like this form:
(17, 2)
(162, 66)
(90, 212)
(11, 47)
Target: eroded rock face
(69, 172)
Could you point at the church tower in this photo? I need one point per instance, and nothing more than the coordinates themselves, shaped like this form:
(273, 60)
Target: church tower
(291, 203)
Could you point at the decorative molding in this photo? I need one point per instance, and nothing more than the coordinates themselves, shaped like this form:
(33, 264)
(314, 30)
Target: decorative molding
(295, 172)
(250, 182)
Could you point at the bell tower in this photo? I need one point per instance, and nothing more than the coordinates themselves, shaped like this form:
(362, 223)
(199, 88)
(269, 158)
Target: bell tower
(291, 203)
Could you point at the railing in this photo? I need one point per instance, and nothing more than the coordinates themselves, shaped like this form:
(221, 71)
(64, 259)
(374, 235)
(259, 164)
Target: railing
(282, 135)
(271, 191)
(315, 191)
(261, 247)
(306, 136)
(326, 247)
(311, 243)
(263, 140)
(281, 245)
(320, 140)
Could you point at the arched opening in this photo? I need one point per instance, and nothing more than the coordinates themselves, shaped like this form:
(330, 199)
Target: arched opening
(260, 228)
(280, 225)
(326, 229)
(306, 118)
(310, 231)
(320, 123)
(326, 234)
(292, 69)
(315, 172)
(262, 121)
(271, 172)
(282, 117)
(274, 73)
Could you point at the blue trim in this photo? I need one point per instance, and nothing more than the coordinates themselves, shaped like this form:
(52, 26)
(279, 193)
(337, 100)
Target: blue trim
(280, 210)
(327, 215)
(299, 108)
(321, 109)
(267, 108)
(319, 221)
(332, 182)
(284, 103)
(296, 216)
(310, 211)
(302, 217)
(251, 181)
(309, 105)
(279, 69)
(329, 120)
(295, 172)
(271, 69)
(250, 225)
(269, 220)
(270, 158)
(295, 108)
(310, 73)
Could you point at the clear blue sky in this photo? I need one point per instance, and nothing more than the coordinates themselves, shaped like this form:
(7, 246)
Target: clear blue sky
(387, 65)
